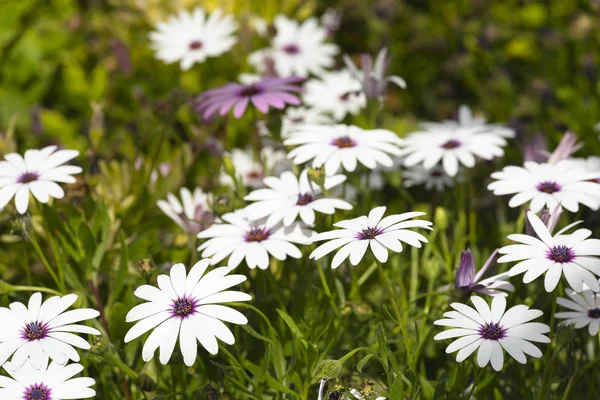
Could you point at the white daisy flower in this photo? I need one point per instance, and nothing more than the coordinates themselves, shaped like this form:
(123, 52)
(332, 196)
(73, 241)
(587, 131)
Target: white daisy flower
(241, 238)
(574, 255)
(590, 164)
(338, 93)
(548, 185)
(492, 330)
(192, 37)
(451, 146)
(43, 328)
(192, 213)
(435, 177)
(370, 231)
(343, 145)
(252, 172)
(299, 49)
(188, 308)
(296, 117)
(584, 310)
(288, 197)
(466, 119)
(37, 172)
(49, 382)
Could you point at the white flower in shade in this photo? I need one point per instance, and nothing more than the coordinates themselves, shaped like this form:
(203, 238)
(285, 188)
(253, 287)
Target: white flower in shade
(435, 177)
(574, 255)
(288, 197)
(192, 37)
(584, 310)
(338, 93)
(37, 172)
(189, 308)
(49, 382)
(452, 146)
(43, 328)
(492, 330)
(370, 231)
(590, 164)
(252, 172)
(336, 146)
(241, 238)
(548, 185)
(296, 117)
(299, 49)
(192, 213)
(466, 119)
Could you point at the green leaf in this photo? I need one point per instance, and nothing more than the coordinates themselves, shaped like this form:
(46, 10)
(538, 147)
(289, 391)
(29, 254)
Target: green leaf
(290, 323)
(116, 321)
(382, 343)
(363, 362)
(397, 389)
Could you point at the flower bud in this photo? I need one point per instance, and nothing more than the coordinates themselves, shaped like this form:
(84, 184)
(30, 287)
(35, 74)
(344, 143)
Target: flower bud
(441, 219)
(146, 267)
(465, 275)
(148, 377)
(229, 167)
(317, 175)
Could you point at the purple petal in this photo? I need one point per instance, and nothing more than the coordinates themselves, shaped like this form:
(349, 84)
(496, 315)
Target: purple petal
(466, 270)
(240, 107)
(261, 102)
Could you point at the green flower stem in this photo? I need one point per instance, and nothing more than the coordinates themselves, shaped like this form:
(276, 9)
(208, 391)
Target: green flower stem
(548, 361)
(34, 289)
(38, 250)
(327, 290)
(54, 247)
(116, 360)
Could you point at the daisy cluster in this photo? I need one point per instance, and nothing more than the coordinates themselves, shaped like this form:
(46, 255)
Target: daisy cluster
(314, 188)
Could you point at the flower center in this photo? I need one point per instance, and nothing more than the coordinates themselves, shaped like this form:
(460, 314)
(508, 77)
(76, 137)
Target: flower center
(34, 331)
(28, 177)
(183, 307)
(304, 199)
(436, 173)
(369, 233)
(291, 48)
(195, 45)
(451, 144)
(561, 254)
(346, 96)
(492, 331)
(37, 392)
(548, 187)
(250, 90)
(256, 234)
(297, 120)
(343, 142)
(594, 313)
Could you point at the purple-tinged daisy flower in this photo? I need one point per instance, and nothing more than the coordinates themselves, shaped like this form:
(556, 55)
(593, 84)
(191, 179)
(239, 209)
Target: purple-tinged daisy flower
(492, 329)
(268, 92)
(469, 281)
(584, 310)
(187, 307)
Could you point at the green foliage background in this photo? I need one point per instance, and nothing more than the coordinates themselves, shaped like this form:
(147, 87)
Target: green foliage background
(80, 73)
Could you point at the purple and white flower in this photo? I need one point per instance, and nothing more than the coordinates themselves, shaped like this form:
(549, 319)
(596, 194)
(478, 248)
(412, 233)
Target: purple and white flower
(584, 310)
(189, 308)
(192, 213)
(373, 76)
(337, 93)
(468, 280)
(492, 330)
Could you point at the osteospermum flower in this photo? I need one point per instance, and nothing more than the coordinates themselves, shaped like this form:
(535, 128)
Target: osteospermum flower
(584, 310)
(43, 328)
(49, 382)
(435, 177)
(491, 330)
(468, 280)
(37, 172)
(296, 117)
(343, 145)
(192, 213)
(240, 238)
(299, 48)
(548, 185)
(371, 231)
(466, 119)
(192, 37)
(451, 146)
(338, 93)
(288, 197)
(187, 308)
(268, 92)
(574, 255)
(252, 172)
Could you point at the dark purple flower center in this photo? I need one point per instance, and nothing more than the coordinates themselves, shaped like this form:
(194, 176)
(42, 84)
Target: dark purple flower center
(561, 254)
(369, 233)
(451, 144)
(548, 187)
(291, 48)
(183, 307)
(304, 199)
(257, 234)
(37, 392)
(343, 142)
(492, 331)
(297, 120)
(594, 313)
(34, 331)
(195, 45)
(250, 90)
(28, 177)
(436, 173)
(346, 96)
